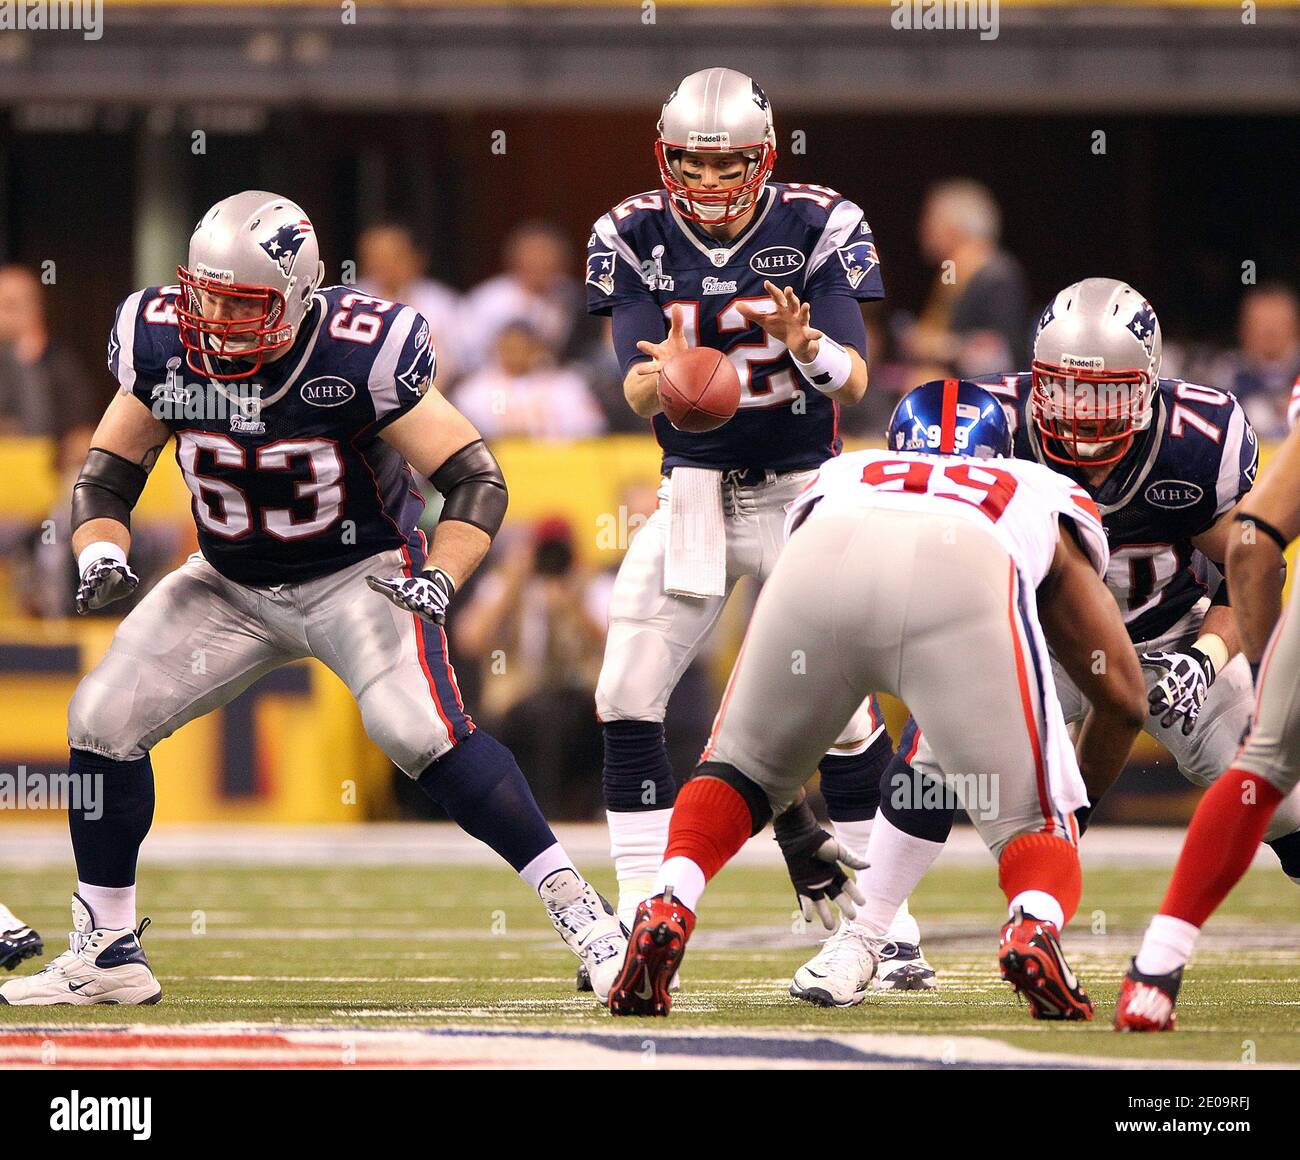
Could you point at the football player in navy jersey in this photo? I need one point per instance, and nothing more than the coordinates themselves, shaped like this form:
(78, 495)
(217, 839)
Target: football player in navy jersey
(300, 413)
(1166, 463)
(772, 275)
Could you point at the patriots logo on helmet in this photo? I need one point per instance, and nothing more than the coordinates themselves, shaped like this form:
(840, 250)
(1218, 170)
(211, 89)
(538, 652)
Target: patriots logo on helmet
(1048, 315)
(1143, 325)
(760, 97)
(282, 246)
(600, 271)
(858, 260)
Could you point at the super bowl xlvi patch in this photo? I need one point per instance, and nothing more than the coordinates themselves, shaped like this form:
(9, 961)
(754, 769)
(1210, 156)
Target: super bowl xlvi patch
(652, 272)
(777, 261)
(327, 391)
(858, 260)
(1174, 493)
(600, 271)
(282, 246)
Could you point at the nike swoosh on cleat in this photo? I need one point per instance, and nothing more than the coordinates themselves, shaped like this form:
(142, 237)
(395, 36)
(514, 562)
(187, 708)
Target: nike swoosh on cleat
(76, 987)
(649, 991)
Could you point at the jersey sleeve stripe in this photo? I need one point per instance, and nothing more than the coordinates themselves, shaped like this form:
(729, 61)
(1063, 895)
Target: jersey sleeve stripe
(1228, 486)
(608, 233)
(840, 226)
(128, 319)
(383, 372)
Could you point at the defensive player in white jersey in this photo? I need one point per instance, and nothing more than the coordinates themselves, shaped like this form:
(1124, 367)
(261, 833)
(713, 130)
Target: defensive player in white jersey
(17, 940)
(1236, 811)
(940, 570)
(773, 275)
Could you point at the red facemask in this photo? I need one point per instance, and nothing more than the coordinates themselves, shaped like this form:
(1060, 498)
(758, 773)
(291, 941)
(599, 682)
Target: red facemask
(703, 205)
(1074, 408)
(220, 342)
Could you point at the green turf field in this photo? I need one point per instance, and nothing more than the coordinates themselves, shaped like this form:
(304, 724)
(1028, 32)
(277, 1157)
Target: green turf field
(420, 946)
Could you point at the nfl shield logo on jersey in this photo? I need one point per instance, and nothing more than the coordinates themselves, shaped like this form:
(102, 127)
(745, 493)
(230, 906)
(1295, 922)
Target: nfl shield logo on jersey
(858, 261)
(282, 246)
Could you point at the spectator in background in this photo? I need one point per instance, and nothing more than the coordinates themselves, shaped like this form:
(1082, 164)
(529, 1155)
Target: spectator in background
(522, 391)
(1262, 370)
(976, 320)
(392, 265)
(43, 389)
(537, 287)
(536, 625)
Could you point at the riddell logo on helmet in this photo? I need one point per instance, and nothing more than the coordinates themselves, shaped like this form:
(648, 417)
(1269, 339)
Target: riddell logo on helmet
(1078, 362)
(708, 140)
(225, 277)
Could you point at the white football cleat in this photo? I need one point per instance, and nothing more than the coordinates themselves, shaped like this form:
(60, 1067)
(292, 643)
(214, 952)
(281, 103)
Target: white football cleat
(903, 968)
(839, 974)
(17, 940)
(100, 966)
(589, 927)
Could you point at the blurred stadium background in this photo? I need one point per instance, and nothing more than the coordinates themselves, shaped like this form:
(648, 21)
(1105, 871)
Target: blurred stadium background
(456, 155)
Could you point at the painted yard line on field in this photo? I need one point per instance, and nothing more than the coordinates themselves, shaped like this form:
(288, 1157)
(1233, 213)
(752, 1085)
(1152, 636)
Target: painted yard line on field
(264, 1046)
(411, 843)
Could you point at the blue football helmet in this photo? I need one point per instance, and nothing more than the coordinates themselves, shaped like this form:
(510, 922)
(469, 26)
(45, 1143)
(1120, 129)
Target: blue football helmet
(950, 417)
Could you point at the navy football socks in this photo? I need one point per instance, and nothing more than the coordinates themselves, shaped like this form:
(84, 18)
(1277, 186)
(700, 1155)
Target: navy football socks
(106, 838)
(637, 774)
(483, 790)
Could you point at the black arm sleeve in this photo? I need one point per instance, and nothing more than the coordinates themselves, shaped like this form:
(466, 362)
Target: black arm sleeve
(473, 488)
(633, 322)
(107, 488)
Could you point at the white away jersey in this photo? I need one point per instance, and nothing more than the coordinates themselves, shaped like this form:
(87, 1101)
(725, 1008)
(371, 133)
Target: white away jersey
(1018, 501)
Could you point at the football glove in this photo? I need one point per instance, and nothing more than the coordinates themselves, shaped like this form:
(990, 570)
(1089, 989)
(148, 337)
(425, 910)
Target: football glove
(104, 581)
(427, 595)
(1182, 681)
(813, 858)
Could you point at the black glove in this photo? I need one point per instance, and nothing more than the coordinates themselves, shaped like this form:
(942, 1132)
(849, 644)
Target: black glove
(427, 594)
(813, 857)
(1182, 681)
(104, 581)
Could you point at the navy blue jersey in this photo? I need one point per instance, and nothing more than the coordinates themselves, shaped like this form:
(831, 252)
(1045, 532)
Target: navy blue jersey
(1195, 461)
(289, 478)
(804, 236)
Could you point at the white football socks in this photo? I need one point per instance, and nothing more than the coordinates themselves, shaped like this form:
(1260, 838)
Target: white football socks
(1040, 904)
(898, 862)
(637, 842)
(856, 838)
(112, 906)
(684, 878)
(1168, 945)
(546, 863)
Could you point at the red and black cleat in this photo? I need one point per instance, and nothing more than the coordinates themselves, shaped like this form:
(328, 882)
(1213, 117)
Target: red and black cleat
(1146, 1002)
(654, 952)
(1031, 959)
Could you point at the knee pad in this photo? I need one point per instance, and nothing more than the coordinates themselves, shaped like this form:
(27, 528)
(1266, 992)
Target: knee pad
(100, 721)
(636, 679)
(760, 809)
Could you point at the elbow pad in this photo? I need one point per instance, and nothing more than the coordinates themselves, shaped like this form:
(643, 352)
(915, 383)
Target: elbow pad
(107, 488)
(473, 488)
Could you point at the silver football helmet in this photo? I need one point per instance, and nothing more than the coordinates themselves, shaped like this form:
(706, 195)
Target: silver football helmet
(254, 264)
(1096, 369)
(716, 110)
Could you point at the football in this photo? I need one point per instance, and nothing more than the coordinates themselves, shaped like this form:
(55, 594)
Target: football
(699, 389)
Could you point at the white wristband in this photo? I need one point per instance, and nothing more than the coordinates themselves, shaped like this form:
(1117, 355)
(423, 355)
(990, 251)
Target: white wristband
(99, 550)
(830, 370)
